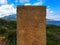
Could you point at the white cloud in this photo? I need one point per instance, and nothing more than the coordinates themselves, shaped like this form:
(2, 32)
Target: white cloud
(22, 1)
(38, 3)
(26, 4)
(54, 17)
(3, 1)
(49, 11)
(51, 15)
(6, 10)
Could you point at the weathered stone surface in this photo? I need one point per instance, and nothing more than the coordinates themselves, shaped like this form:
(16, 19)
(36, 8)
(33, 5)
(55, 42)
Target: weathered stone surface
(31, 28)
(2, 40)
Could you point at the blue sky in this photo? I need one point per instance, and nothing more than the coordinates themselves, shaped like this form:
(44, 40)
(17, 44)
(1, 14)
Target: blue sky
(8, 7)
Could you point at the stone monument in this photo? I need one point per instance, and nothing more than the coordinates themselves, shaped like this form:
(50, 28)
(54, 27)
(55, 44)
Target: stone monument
(31, 25)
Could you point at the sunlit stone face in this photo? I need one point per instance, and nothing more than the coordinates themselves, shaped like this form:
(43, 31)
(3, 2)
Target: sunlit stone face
(31, 28)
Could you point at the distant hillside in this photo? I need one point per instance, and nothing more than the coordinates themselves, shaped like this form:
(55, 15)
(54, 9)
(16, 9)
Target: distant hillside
(10, 17)
(8, 30)
(9, 24)
(13, 17)
(50, 20)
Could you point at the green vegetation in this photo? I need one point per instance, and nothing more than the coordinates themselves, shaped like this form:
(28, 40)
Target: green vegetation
(53, 35)
(8, 30)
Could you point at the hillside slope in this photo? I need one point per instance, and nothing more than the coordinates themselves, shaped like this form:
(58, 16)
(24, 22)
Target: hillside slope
(8, 30)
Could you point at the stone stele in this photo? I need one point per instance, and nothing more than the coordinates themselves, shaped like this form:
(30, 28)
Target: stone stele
(31, 26)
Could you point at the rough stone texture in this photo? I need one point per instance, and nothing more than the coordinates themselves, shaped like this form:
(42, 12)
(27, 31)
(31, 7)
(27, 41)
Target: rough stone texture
(31, 28)
(1, 40)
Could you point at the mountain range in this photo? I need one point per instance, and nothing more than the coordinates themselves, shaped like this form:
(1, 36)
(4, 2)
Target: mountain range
(13, 17)
(10, 17)
(48, 21)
